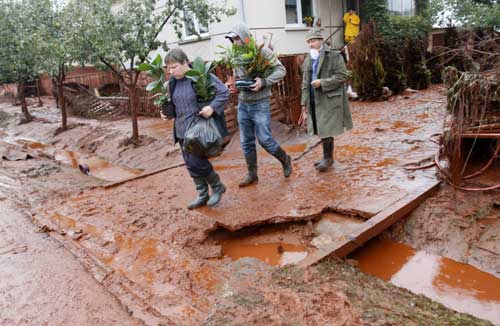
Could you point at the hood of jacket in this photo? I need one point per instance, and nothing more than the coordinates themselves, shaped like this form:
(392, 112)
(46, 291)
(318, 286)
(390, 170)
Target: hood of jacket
(241, 30)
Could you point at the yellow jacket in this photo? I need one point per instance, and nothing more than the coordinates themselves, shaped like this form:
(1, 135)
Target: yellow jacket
(351, 25)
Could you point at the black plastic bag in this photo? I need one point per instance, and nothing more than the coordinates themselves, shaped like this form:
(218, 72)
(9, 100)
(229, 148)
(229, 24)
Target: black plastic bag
(203, 138)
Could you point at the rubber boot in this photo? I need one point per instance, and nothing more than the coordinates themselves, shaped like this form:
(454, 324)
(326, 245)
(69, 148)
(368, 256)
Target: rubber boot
(251, 177)
(202, 188)
(217, 189)
(285, 160)
(327, 160)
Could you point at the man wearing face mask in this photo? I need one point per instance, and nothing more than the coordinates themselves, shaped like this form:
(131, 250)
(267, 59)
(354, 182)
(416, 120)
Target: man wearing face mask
(324, 100)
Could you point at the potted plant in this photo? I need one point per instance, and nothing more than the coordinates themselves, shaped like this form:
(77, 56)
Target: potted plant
(202, 82)
(308, 20)
(199, 74)
(249, 57)
(159, 86)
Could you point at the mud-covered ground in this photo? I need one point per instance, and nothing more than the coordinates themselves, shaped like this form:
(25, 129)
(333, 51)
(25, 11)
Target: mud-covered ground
(42, 284)
(162, 261)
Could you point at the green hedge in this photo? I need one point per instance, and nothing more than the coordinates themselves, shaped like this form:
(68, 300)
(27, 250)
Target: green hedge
(400, 28)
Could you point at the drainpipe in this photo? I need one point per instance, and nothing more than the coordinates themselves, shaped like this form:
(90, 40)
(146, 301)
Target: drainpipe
(242, 10)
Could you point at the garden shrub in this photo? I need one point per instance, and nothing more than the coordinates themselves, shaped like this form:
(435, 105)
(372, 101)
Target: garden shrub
(368, 70)
(390, 54)
(417, 74)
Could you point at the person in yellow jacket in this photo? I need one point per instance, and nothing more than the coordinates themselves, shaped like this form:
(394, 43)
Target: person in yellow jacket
(351, 21)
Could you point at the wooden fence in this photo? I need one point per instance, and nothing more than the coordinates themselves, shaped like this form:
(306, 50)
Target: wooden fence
(285, 99)
(93, 80)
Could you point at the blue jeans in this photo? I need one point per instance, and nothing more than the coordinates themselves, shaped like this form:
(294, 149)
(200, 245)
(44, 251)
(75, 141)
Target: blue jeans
(255, 119)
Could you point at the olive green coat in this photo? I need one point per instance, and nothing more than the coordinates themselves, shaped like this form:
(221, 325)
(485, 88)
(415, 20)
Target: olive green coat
(333, 116)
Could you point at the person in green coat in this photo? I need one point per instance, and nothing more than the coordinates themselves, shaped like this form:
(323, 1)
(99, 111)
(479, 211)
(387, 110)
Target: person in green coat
(324, 100)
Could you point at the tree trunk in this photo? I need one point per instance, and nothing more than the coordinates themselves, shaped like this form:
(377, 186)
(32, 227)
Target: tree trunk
(62, 102)
(62, 105)
(133, 100)
(24, 106)
(40, 103)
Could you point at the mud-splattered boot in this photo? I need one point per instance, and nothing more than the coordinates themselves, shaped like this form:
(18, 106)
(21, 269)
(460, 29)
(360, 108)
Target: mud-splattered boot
(285, 160)
(217, 189)
(327, 160)
(202, 189)
(251, 177)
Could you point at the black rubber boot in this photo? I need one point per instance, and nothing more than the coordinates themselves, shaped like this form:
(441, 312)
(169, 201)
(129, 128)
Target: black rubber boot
(252, 170)
(217, 189)
(327, 160)
(202, 188)
(285, 160)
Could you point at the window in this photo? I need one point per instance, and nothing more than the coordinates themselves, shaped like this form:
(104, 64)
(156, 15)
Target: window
(296, 10)
(402, 7)
(192, 27)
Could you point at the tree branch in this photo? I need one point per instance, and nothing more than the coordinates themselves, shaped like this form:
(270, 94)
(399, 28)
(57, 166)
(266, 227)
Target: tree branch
(164, 22)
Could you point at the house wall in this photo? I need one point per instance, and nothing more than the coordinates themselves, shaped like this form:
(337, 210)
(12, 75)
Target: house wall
(266, 20)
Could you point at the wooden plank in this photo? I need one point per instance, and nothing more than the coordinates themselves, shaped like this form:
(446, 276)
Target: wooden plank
(372, 227)
(490, 135)
(117, 183)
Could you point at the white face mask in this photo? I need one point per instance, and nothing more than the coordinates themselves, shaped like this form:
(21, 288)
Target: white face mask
(314, 53)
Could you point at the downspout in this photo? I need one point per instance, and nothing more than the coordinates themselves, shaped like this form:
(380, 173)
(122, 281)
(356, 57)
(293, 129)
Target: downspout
(242, 10)
(330, 11)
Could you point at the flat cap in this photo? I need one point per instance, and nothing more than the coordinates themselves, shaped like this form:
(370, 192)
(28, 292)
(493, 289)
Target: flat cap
(314, 33)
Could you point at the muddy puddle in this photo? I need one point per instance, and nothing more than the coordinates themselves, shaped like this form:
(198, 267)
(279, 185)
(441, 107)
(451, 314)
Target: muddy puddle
(456, 285)
(276, 254)
(286, 243)
(96, 167)
(276, 245)
(88, 164)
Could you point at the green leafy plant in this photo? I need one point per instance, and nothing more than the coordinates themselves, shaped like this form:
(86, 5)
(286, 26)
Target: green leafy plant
(200, 75)
(308, 20)
(158, 87)
(368, 71)
(247, 56)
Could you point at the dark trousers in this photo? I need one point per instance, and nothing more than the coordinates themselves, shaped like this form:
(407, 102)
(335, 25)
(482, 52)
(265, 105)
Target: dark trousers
(313, 111)
(197, 166)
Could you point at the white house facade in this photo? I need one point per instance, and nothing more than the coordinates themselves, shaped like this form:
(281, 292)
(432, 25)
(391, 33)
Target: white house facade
(277, 21)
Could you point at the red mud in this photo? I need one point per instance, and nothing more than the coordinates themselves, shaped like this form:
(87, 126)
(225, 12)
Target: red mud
(456, 285)
(154, 251)
(42, 284)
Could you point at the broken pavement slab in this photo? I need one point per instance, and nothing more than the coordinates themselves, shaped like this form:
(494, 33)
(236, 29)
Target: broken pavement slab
(341, 246)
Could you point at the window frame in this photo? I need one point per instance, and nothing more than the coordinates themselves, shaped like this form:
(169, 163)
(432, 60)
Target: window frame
(300, 17)
(413, 11)
(196, 24)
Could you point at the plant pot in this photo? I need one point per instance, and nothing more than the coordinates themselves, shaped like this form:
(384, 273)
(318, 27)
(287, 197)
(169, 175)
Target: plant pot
(168, 110)
(202, 104)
